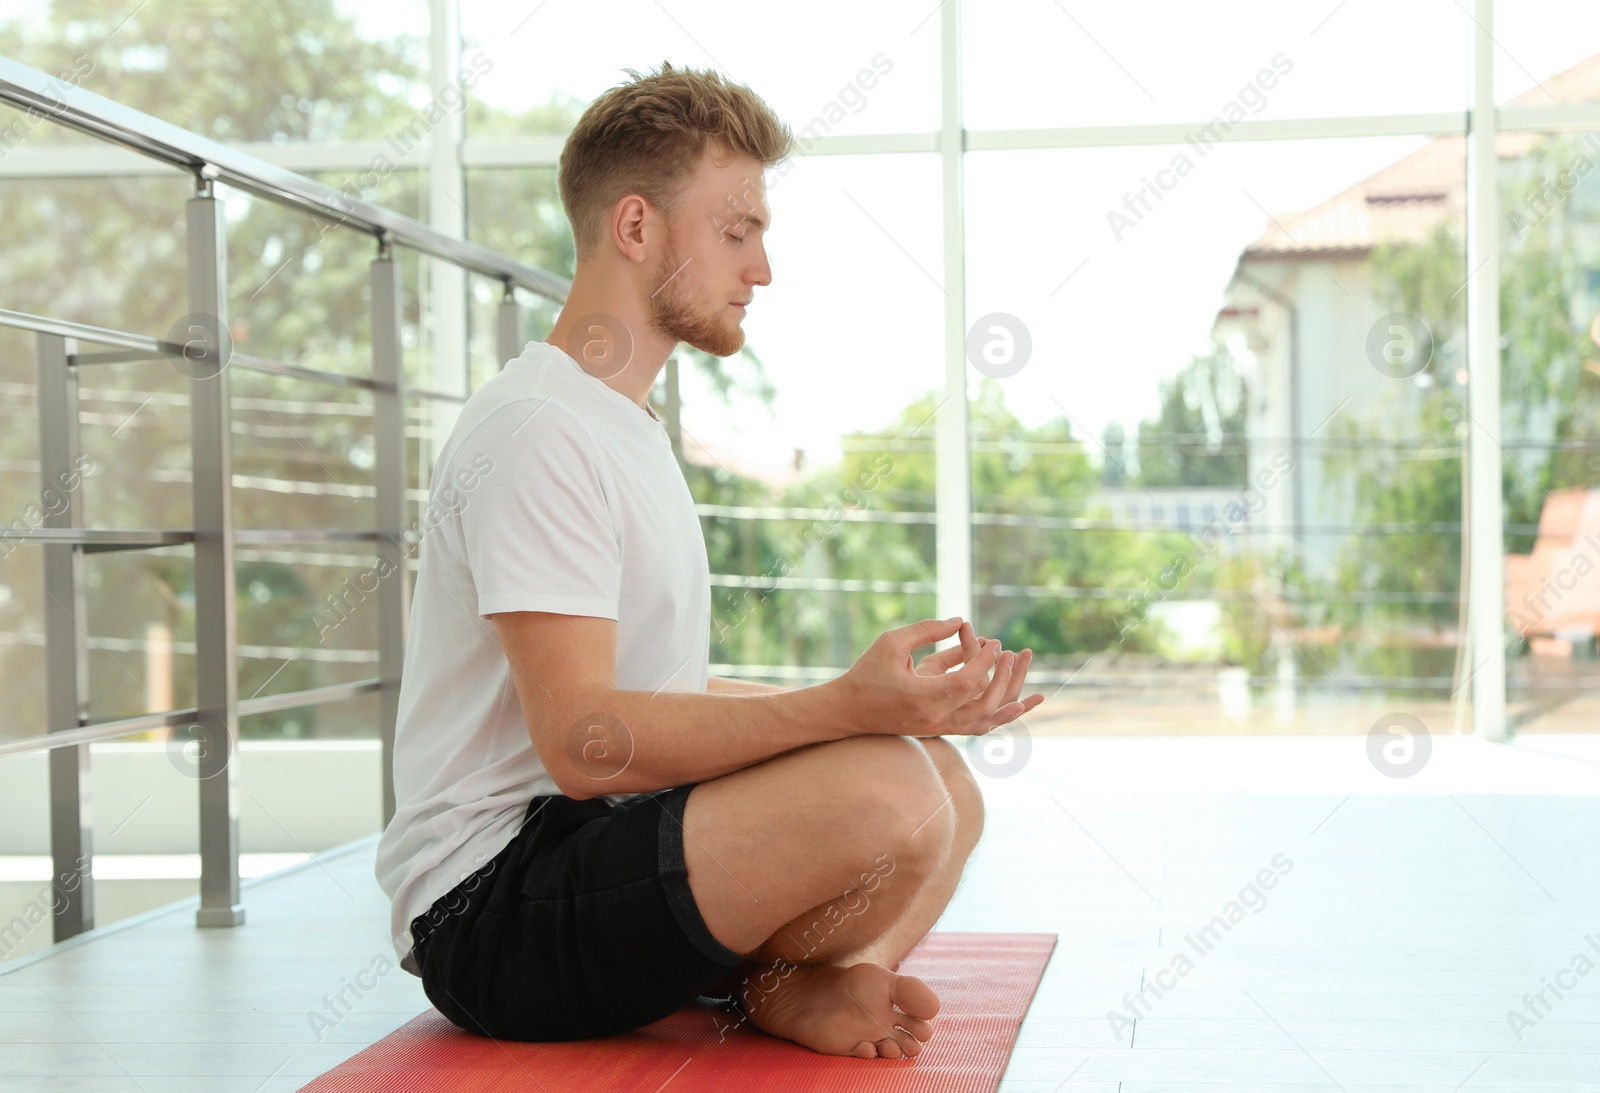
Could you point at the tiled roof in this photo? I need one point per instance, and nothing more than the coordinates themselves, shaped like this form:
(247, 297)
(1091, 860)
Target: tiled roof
(1406, 200)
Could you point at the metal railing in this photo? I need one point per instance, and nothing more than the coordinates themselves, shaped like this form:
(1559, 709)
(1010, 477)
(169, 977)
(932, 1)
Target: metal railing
(65, 541)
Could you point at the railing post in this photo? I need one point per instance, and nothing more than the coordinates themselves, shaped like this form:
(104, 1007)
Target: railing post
(389, 441)
(508, 327)
(65, 644)
(215, 630)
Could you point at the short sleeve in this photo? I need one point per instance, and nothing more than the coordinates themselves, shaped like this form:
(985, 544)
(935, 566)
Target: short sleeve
(537, 529)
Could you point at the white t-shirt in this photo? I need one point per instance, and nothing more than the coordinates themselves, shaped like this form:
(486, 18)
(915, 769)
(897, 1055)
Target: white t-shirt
(554, 492)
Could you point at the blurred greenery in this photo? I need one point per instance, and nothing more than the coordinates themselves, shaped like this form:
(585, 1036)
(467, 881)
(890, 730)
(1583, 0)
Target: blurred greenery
(109, 251)
(1550, 398)
(1197, 438)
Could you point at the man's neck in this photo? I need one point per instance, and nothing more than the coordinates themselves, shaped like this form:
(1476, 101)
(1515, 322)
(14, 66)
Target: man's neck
(625, 330)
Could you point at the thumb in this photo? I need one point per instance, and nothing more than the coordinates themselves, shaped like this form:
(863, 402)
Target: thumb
(918, 634)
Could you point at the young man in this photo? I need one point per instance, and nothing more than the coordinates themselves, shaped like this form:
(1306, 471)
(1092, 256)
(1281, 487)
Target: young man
(590, 832)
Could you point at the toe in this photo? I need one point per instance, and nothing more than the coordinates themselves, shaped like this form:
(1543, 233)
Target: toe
(889, 1048)
(915, 998)
(909, 1045)
(922, 1030)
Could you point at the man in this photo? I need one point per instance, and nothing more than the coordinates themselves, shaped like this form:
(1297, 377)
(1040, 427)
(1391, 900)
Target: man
(590, 832)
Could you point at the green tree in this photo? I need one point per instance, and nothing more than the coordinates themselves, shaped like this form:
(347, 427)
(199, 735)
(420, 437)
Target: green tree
(1197, 437)
(1550, 269)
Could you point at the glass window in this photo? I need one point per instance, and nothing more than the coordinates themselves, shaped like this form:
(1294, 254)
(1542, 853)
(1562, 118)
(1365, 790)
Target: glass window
(1040, 65)
(827, 413)
(1547, 52)
(829, 69)
(1550, 421)
(1224, 326)
(355, 69)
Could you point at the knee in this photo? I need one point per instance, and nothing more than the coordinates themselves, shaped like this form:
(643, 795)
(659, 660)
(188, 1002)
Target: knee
(965, 793)
(904, 794)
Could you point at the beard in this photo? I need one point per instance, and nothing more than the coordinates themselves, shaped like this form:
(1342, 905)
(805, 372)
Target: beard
(673, 313)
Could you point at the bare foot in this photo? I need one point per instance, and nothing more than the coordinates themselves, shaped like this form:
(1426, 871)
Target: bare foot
(843, 1011)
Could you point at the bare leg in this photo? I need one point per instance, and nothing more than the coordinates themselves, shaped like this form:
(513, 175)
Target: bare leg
(966, 799)
(901, 1007)
(766, 843)
(887, 919)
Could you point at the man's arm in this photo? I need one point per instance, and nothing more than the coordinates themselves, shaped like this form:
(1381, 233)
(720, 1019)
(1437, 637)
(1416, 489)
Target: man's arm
(596, 739)
(716, 685)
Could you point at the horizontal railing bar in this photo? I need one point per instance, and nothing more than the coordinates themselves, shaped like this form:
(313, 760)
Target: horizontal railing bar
(426, 393)
(112, 356)
(97, 539)
(309, 157)
(272, 367)
(240, 360)
(101, 539)
(1151, 593)
(298, 371)
(65, 328)
(141, 347)
(1171, 681)
(1202, 448)
(316, 696)
(303, 535)
(93, 539)
(96, 731)
(115, 123)
(112, 548)
(1241, 528)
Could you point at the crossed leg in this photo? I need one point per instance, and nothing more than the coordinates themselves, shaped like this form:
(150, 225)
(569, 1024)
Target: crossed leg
(881, 828)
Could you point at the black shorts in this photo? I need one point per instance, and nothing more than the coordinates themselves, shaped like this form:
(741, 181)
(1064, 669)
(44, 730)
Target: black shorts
(582, 927)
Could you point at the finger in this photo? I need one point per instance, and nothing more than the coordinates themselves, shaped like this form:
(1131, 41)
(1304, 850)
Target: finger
(994, 694)
(942, 661)
(1007, 713)
(1000, 718)
(971, 645)
(981, 722)
(971, 680)
(982, 705)
(917, 634)
(1019, 674)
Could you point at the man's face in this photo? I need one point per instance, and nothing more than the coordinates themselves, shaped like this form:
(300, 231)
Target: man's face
(713, 255)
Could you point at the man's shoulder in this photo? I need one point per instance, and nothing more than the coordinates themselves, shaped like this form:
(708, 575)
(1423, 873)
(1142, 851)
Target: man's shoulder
(522, 418)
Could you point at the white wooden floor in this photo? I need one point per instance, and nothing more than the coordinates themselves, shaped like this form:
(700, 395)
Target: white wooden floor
(1407, 917)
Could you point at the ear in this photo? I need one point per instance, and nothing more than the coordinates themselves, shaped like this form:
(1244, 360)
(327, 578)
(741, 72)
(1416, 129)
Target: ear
(630, 218)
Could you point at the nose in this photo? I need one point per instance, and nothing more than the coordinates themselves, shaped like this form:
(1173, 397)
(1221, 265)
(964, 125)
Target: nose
(762, 274)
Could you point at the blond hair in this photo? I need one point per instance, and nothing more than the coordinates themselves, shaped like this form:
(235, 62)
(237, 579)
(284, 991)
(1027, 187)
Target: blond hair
(646, 137)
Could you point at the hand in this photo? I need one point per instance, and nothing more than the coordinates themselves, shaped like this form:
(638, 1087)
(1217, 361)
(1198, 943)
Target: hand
(886, 691)
(998, 704)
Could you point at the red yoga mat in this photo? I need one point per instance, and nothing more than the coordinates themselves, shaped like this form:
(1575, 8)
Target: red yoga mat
(984, 982)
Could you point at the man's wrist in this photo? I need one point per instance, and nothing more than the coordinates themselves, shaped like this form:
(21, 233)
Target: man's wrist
(835, 709)
(722, 685)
